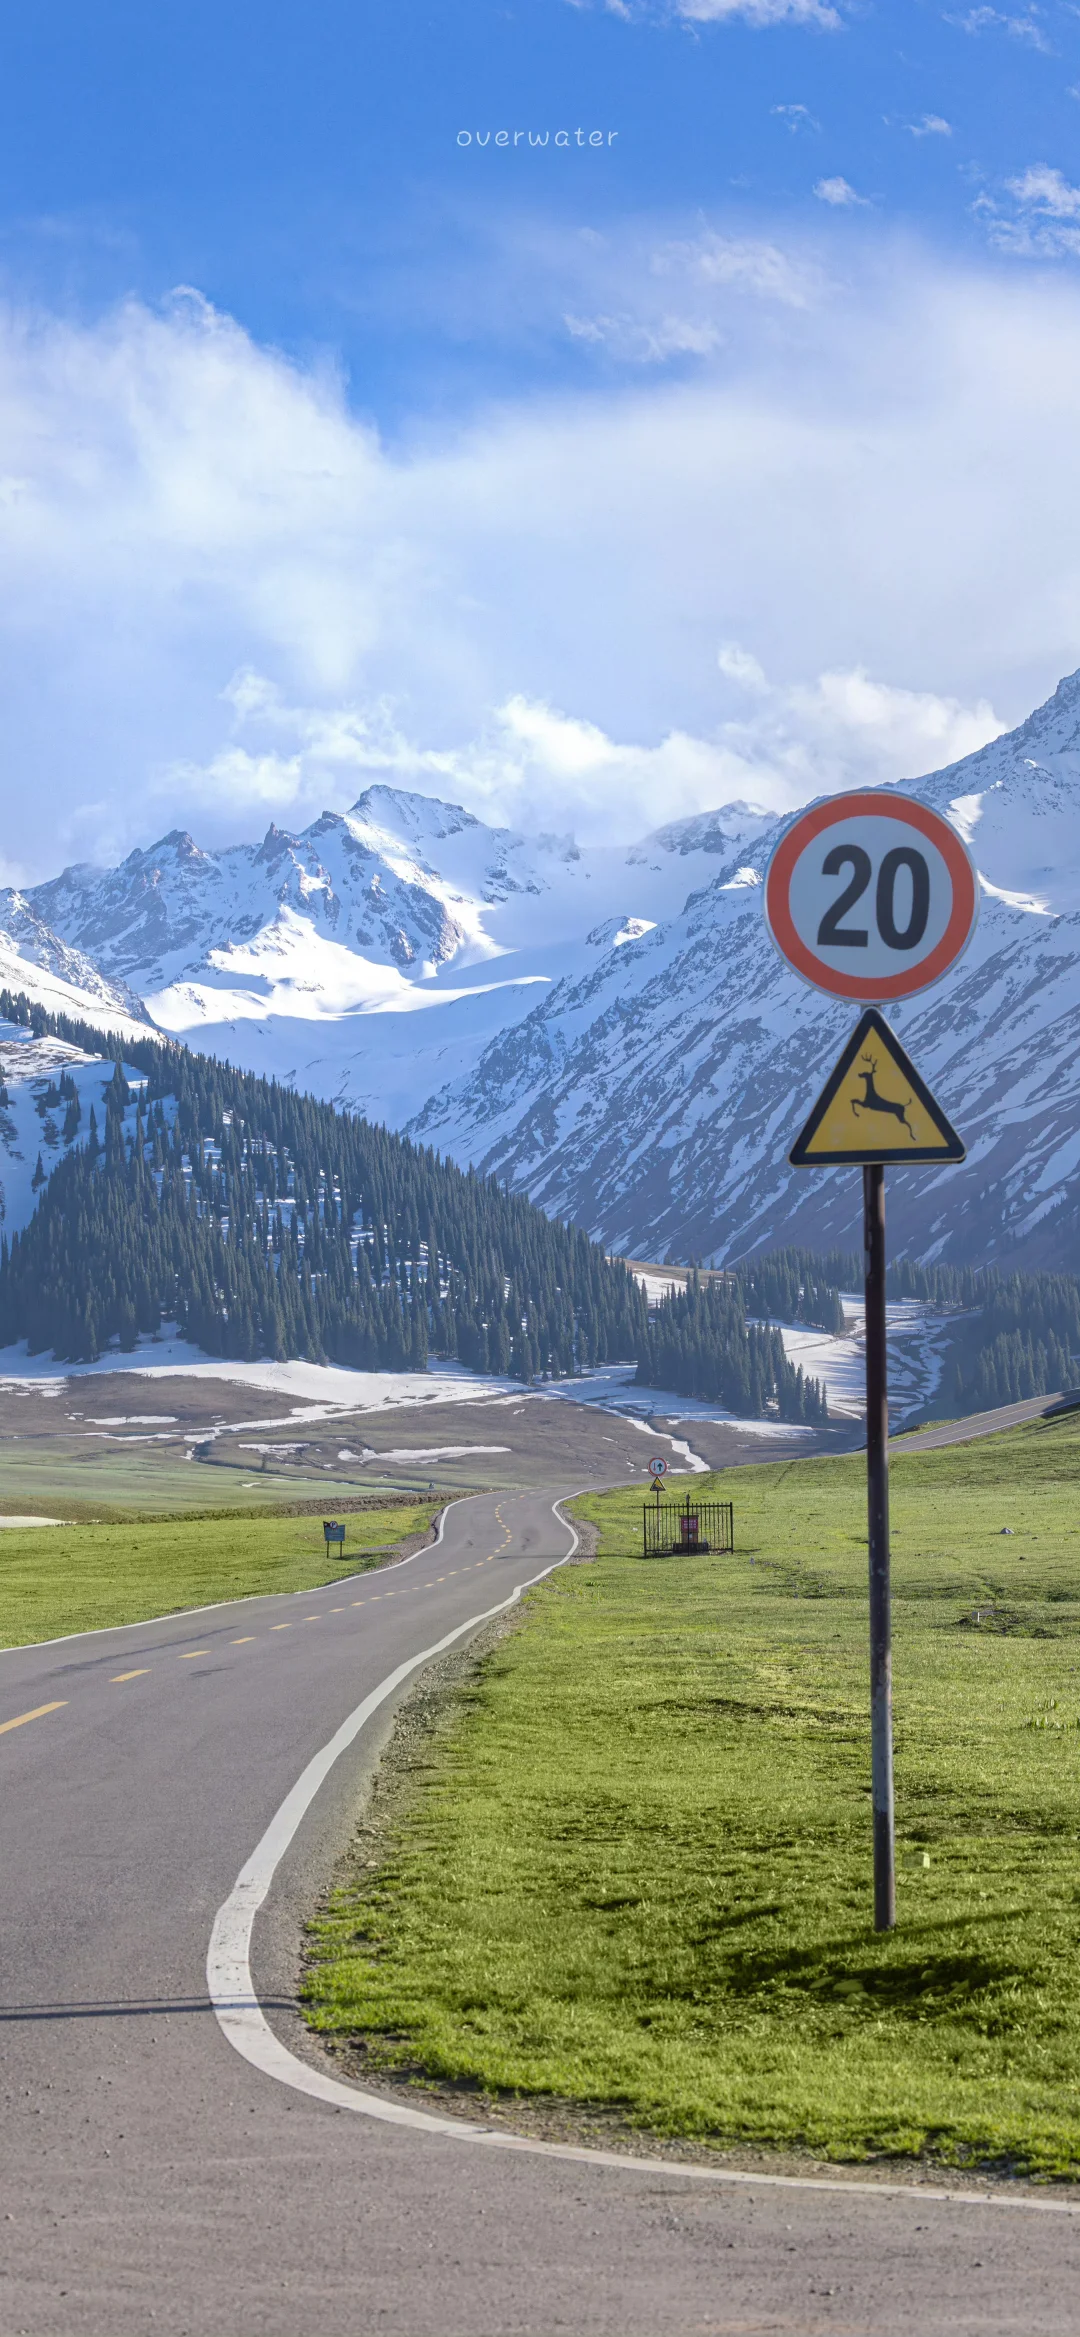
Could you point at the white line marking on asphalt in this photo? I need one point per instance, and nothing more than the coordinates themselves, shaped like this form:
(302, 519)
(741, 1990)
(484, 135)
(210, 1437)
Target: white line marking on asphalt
(214, 1606)
(243, 2021)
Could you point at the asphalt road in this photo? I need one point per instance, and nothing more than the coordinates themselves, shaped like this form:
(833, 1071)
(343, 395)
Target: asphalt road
(979, 1424)
(151, 2180)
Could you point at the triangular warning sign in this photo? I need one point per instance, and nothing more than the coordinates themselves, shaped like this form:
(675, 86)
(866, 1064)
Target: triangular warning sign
(874, 1106)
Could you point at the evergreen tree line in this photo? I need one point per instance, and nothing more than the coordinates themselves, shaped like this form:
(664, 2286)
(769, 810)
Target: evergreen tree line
(267, 1223)
(699, 1343)
(793, 1286)
(1021, 1338)
(1012, 1366)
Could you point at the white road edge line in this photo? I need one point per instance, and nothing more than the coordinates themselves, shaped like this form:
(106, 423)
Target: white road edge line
(249, 1598)
(243, 2021)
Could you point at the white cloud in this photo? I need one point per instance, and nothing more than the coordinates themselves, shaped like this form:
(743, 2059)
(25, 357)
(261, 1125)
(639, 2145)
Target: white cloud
(1046, 222)
(820, 15)
(882, 482)
(630, 338)
(846, 730)
(797, 117)
(679, 293)
(531, 765)
(1046, 190)
(837, 192)
(762, 13)
(931, 126)
(1018, 28)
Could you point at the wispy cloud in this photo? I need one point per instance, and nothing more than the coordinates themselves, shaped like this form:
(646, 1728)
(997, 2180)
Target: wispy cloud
(1018, 28)
(838, 192)
(931, 126)
(817, 15)
(1045, 223)
(784, 744)
(797, 117)
(1042, 189)
(679, 293)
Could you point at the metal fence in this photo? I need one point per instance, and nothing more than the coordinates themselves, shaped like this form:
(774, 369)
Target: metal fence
(670, 1526)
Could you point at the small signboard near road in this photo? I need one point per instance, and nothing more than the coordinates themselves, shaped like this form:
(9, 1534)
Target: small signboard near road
(871, 896)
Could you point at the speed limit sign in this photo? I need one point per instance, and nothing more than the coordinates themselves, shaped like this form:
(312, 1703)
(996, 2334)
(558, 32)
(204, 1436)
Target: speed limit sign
(871, 896)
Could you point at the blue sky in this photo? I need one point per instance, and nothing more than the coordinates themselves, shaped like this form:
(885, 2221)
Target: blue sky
(301, 166)
(732, 455)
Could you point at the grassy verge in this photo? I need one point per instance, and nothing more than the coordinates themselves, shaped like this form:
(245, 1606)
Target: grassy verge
(638, 1870)
(55, 1579)
(55, 1477)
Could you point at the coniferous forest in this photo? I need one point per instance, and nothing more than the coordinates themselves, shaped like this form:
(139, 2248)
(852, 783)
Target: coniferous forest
(698, 1342)
(263, 1223)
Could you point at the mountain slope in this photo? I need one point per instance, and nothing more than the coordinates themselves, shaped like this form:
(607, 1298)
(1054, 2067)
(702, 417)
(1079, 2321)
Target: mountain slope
(370, 956)
(654, 1098)
(63, 977)
(266, 1224)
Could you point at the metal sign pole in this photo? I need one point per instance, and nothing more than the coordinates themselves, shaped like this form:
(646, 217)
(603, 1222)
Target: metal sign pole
(877, 1508)
(874, 1106)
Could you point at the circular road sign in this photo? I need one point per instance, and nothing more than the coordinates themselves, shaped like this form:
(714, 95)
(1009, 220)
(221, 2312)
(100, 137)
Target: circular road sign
(657, 1468)
(871, 896)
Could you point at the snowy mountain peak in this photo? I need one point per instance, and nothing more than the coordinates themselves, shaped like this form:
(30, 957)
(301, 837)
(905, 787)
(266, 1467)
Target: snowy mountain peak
(712, 831)
(410, 819)
(513, 998)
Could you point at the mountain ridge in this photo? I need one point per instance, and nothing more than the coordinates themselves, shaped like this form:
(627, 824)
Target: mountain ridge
(608, 1027)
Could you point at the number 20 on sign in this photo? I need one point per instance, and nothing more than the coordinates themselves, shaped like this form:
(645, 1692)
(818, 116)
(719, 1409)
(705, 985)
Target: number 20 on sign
(872, 897)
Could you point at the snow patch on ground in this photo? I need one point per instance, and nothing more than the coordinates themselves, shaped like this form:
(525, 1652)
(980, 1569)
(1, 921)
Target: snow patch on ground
(325, 1384)
(916, 1335)
(612, 1387)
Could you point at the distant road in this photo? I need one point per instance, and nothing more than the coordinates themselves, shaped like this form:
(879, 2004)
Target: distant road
(981, 1424)
(154, 2184)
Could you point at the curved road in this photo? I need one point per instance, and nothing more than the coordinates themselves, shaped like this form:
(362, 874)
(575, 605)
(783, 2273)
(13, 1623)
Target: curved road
(152, 2180)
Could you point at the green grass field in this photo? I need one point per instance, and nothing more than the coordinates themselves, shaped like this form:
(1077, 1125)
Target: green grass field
(635, 1866)
(55, 1579)
(58, 1478)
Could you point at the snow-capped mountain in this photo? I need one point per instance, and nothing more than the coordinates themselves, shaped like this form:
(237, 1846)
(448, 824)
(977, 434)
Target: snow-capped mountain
(64, 978)
(654, 1097)
(610, 1027)
(376, 954)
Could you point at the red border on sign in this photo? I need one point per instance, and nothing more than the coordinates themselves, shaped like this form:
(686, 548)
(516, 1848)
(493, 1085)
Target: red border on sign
(957, 933)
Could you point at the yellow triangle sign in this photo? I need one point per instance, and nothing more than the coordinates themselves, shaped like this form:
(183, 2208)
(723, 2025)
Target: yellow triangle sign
(874, 1107)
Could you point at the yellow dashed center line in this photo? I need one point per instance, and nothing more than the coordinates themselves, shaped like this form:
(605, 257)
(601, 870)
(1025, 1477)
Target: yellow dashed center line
(189, 1655)
(38, 1713)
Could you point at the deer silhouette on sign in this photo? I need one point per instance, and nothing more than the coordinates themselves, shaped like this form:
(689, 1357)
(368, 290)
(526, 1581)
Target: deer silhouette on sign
(871, 1101)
